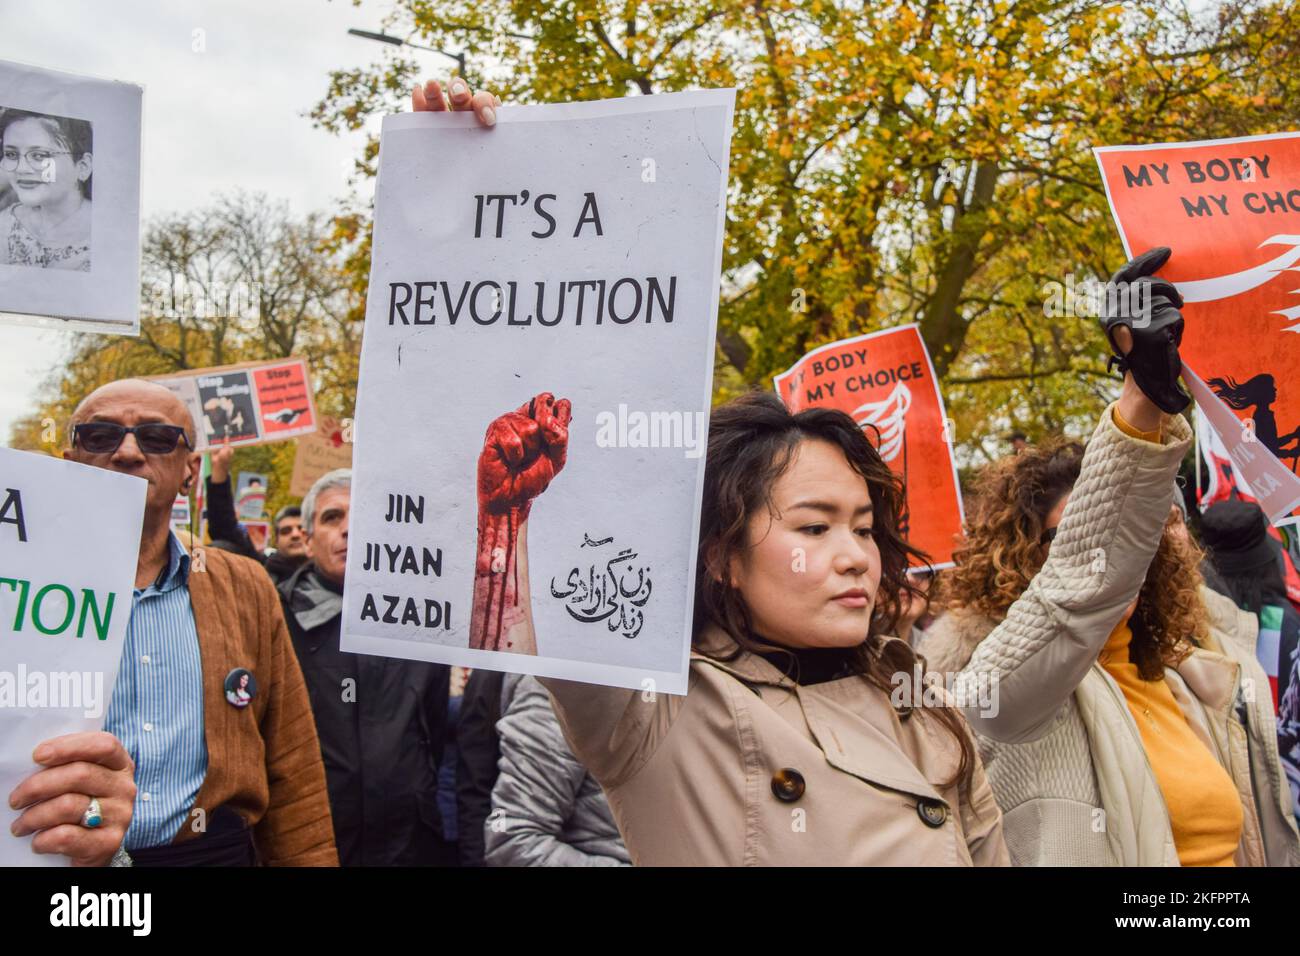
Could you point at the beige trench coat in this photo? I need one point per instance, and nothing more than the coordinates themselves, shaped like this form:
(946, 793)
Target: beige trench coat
(750, 769)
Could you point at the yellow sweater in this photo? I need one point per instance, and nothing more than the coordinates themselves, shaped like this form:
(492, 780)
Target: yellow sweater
(1204, 807)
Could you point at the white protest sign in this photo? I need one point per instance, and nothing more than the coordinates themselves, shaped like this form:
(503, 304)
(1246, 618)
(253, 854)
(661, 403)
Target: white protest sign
(535, 384)
(69, 539)
(69, 200)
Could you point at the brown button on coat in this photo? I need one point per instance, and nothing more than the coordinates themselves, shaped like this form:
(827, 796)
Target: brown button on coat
(690, 779)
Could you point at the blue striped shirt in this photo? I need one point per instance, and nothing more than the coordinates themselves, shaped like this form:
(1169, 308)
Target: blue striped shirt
(157, 705)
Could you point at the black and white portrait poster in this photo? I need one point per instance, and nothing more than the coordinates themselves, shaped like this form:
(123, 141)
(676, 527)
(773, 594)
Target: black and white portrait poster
(536, 376)
(69, 200)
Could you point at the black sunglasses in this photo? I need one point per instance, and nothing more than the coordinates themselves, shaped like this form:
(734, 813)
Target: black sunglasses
(104, 438)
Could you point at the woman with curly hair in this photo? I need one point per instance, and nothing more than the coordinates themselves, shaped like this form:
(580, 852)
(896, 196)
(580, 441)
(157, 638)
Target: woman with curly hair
(1143, 741)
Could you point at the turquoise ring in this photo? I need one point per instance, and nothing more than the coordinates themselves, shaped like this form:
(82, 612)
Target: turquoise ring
(94, 814)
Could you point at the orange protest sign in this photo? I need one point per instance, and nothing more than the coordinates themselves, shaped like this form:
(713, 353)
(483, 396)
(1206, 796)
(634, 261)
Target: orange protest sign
(284, 399)
(886, 381)
(1230, 211)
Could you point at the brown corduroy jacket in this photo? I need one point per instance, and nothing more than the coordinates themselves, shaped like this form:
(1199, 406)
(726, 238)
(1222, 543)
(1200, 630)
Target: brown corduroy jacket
(264, 760)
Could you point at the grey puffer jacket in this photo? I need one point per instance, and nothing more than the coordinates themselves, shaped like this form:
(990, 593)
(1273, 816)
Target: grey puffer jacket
(546, 809)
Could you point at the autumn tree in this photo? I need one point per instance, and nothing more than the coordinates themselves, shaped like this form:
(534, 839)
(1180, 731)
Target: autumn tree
(899, 161)
(239, 280)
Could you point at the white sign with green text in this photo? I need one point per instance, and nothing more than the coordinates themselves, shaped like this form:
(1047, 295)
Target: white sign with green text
(69, 540)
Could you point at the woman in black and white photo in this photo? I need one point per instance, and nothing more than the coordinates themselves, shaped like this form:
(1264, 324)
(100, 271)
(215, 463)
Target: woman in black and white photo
(46, 163)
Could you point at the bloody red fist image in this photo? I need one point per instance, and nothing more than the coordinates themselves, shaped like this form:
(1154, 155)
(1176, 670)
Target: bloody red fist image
(523, 451)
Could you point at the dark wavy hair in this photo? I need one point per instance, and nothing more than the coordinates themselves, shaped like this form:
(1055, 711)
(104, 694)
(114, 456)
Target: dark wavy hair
(752, 442)
(74, 135)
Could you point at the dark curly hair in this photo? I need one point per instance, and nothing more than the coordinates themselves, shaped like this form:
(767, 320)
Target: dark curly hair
(1005, 520)
(1003, 551)
(752, 441)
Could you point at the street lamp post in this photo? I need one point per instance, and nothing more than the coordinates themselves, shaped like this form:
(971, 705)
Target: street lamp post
(398, 41)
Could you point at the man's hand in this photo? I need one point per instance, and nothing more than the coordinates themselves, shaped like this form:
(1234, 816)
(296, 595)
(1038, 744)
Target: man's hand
(430, 99)
(222, 456)
(77, 767)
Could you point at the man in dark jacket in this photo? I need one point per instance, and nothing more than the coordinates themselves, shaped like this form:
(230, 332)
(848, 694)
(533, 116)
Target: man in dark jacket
(477, 752)
(1249, 564)
(227, 534)
(381, 720)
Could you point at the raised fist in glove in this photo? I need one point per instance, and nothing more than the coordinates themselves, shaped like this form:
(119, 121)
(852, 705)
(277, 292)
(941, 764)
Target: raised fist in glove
(522, 453)
(1148, 308)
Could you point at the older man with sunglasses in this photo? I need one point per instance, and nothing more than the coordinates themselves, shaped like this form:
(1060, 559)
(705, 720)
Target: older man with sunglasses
(209, 700)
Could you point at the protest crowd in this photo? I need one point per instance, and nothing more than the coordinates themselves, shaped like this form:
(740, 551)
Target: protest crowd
(1106, 676)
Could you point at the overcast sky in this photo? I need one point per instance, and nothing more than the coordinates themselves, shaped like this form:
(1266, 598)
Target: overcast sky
(230, 117)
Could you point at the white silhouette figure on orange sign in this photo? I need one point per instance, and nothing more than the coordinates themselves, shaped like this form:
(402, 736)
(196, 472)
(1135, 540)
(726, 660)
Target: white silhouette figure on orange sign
(889, 418)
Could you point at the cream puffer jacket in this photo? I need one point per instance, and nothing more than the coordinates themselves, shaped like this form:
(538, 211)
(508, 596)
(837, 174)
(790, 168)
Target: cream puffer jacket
(1062, 751)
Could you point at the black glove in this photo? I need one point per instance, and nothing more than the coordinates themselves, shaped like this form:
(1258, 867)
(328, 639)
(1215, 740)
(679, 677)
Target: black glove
(1148, 307)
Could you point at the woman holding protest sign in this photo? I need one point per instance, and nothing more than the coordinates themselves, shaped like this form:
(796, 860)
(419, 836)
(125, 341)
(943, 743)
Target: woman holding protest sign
(806, 735)
(1133, 725)
(787, 748)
